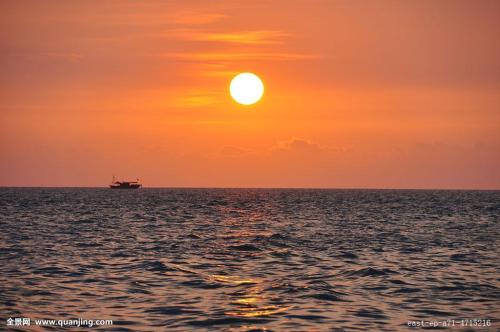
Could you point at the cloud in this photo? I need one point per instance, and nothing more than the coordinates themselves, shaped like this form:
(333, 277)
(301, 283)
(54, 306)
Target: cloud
(232, 151)
(196, 100)
(194, 17)
(160, 15)
(236, 56)
(242, 37)
(212, 70)
(297, 145)
(303, 151)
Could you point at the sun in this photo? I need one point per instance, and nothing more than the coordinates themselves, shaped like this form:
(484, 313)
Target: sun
(246, 88)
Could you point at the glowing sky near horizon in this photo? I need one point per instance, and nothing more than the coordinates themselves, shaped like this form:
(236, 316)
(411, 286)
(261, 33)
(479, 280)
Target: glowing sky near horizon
(386, 94)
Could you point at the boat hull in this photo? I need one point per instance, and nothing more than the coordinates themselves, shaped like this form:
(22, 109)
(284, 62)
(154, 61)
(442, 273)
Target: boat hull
(125, 187)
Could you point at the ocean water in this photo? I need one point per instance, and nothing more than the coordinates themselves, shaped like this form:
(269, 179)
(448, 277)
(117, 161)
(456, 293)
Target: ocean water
(250, 259)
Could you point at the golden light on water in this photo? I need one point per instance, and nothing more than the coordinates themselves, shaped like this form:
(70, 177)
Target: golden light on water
(233, 279)
(256, 312)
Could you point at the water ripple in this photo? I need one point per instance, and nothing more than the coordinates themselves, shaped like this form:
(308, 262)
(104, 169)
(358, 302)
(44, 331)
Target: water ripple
(249, 259)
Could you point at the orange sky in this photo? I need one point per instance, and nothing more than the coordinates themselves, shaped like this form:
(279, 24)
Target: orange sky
(385, 94)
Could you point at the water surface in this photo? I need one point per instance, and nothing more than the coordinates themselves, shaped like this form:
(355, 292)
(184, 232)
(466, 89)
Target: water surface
(249, 259)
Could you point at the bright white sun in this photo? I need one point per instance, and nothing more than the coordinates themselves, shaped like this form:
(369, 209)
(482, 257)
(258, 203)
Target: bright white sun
(246, 88)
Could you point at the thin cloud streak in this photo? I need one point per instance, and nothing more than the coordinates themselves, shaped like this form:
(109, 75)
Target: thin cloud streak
(197, 18)
(195, 100)
(242, 37)
(227, 56)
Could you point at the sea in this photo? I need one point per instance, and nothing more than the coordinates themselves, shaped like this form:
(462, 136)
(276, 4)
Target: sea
(249, 259)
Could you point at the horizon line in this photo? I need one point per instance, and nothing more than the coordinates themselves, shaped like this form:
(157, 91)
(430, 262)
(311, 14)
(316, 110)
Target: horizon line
(268, 188)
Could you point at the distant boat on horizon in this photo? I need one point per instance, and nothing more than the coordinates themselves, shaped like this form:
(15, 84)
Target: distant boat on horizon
(125, 184)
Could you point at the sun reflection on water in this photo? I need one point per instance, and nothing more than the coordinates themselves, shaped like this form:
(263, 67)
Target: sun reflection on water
(253, 303)
(236, 280)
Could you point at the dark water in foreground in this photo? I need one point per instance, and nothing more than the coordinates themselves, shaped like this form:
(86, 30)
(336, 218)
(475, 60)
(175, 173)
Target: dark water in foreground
(240, 260)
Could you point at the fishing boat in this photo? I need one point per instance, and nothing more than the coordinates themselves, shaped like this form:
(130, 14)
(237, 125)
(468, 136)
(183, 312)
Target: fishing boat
(125, 184)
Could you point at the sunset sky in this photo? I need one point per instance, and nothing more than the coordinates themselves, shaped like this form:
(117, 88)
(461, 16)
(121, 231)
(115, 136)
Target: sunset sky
(358, 94)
